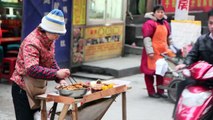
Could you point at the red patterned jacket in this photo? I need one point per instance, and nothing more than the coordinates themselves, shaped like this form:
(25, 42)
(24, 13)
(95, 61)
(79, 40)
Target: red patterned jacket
(36, 59)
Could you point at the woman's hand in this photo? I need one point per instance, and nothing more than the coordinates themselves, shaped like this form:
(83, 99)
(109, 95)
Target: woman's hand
(151, 55)
(181, 66)
(63, 73)
(63, 83)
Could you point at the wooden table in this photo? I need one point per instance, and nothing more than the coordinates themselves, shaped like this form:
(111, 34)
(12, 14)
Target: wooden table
(87, 99)
(10, 40)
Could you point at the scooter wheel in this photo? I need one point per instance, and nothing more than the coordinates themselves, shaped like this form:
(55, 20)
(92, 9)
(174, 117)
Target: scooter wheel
(172, 89)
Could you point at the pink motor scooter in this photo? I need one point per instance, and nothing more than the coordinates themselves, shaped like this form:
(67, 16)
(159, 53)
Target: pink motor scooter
(196, 101)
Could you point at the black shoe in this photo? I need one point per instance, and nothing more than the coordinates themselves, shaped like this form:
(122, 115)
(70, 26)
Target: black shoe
(163, 95)
(154, 95)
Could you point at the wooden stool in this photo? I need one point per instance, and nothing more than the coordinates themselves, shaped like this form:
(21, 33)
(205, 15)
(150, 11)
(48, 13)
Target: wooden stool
(8, 67)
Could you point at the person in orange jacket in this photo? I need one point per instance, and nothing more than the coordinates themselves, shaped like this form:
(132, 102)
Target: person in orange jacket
(156, 33)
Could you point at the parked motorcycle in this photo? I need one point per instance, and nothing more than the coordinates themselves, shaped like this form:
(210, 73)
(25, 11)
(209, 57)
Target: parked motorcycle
(196, 101)
(172, 77)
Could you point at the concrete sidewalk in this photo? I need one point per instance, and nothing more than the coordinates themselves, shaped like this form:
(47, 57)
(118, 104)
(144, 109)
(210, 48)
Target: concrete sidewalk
(139, 105)
(116, 67)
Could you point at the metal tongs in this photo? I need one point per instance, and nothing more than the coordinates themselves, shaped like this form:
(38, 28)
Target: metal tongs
(71, 79)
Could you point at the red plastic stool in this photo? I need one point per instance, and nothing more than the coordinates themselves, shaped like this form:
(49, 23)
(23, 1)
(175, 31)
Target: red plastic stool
(7, 68)
(12, 53)
(0, 70)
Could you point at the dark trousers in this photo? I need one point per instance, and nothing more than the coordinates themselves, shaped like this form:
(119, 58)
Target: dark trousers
(149, 80)
(21, 104)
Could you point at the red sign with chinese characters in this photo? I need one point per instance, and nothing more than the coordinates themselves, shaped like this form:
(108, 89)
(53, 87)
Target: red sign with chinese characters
(183, 4)
(194, 5)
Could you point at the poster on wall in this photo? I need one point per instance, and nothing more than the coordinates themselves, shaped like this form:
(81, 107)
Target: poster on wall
(103, 42)
(78, 45)
(79, 12)
(194, 5)
(185, 32)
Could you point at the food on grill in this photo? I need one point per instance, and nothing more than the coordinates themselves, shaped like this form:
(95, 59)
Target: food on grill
(74, 90)
(74, 86)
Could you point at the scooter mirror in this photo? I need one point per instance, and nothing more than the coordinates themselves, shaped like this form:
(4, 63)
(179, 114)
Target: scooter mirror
(186, 73)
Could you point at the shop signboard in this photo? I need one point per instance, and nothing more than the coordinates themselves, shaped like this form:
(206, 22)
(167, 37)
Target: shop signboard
(102, 42)
(33, 11)
(79, 12)
(194, 5)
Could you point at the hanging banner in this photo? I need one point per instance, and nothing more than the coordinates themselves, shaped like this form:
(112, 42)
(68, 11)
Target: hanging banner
(185, 32)
(34, 10)
(103, 42)
(194, 5)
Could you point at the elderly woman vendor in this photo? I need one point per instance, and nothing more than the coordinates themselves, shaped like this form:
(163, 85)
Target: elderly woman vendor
(36, 65)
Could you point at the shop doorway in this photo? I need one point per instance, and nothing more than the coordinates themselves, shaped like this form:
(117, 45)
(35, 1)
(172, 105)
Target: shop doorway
(140, 7)
(11, 17)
